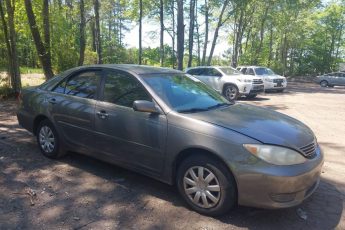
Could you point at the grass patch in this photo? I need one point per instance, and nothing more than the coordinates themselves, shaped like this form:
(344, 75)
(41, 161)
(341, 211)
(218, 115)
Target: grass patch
(24, 70)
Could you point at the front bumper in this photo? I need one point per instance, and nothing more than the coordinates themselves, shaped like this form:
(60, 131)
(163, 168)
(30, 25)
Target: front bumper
(274, 86)
(271, 186)
(249, 88)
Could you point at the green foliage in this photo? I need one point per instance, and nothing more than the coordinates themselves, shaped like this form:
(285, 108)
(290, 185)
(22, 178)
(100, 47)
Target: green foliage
(293, 37)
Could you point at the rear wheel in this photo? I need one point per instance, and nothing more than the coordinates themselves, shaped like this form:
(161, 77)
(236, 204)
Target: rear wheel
(206, 185)
(231, 92)
(324, 83)
(48, 140)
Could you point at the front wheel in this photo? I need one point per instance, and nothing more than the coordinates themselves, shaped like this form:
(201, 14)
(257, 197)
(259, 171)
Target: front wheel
(206, 185)
(231, 92)
(48, 140)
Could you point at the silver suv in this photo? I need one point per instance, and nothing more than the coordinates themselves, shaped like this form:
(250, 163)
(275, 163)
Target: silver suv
(272, 81)
(228, 81)
(331, 79)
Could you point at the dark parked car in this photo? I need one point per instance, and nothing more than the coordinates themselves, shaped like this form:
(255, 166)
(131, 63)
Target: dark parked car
(331, 79)
(174, 128)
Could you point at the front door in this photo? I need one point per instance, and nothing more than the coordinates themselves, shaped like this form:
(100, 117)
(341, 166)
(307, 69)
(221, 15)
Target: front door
(135, 138)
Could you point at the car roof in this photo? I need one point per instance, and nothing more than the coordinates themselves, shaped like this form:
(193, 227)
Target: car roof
(251, 66)
(209, 66)
(137, 69)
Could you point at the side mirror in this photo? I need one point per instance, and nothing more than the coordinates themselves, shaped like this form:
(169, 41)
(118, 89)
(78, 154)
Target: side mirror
(145, 106)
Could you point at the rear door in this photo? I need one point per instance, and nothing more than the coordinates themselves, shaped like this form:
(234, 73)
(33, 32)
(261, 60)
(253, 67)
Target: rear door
(342, 79)
(135, 138)
(214, 78)
(72, 106)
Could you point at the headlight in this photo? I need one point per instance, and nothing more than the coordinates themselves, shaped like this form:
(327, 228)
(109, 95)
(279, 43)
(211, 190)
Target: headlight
(275, 154)
(244, 80)
(268, 80)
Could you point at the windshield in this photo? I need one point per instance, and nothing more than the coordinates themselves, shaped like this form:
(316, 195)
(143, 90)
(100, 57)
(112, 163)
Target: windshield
(184, 93)
(229, 71)
(264, 71)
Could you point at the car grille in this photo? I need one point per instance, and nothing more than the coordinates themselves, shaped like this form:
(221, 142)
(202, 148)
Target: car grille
(257, 81)
(309, 151)
(278, 80)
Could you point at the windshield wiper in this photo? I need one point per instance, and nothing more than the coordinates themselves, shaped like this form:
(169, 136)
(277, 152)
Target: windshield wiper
(218, 105)
(192, 110)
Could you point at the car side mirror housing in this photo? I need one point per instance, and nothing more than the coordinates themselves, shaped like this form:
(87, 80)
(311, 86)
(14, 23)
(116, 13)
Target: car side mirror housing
(145, 106)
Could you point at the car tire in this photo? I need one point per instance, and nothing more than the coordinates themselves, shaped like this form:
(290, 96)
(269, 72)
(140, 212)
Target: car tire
(231, 92)
(323, 83)
(48, 140)
(207, 202)
(251, 96)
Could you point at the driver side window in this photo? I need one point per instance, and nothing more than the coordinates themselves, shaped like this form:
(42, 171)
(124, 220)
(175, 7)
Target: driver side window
(123, 89)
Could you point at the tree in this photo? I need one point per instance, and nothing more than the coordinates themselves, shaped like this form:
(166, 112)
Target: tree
(140, 30)
(161, 20)
(203, 60)
(82, 40)
(221, 21)
(191, 32)
(10, 37)
(98, 42)
(43, 53)
(180, 35)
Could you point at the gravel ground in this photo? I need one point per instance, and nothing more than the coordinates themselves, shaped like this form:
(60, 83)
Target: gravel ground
(78, 192)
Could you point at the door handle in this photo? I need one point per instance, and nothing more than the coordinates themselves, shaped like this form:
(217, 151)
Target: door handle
(102, 114)
(52, 100)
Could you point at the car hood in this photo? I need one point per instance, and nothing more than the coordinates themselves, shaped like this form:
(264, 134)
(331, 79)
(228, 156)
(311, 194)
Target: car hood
(273, 76)
(242, 76)
(264, 125)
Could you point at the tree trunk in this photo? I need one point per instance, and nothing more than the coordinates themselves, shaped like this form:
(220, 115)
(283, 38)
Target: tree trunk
(203, 60)
(98, 33)
(82, 33)
(191, 32)
(270, 47)
(46, 28)
(180, 35)
(140, 30)
(161, 47)
(93, 35)
(43, 54)
(10, 38)
(215, 36)
(197, 32)
(173, 32)
(262, 28)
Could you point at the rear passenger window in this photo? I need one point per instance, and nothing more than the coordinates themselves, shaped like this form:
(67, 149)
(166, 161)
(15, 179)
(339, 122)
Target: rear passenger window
(83, 85)
(194, 71)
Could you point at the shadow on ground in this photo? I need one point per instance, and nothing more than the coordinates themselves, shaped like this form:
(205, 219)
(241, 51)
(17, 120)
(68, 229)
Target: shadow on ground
(79, 191)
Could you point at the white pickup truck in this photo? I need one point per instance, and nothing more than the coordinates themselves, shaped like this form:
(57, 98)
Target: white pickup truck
(228, 81)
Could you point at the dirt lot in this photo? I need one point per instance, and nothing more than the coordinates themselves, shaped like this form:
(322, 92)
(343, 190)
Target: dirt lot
(77, 192)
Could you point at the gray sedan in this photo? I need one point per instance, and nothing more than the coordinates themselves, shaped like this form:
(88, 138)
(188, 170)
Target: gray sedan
(174, 128)
(331, 79)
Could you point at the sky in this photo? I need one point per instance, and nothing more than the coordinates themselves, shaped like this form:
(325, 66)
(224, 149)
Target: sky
(132, 37)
